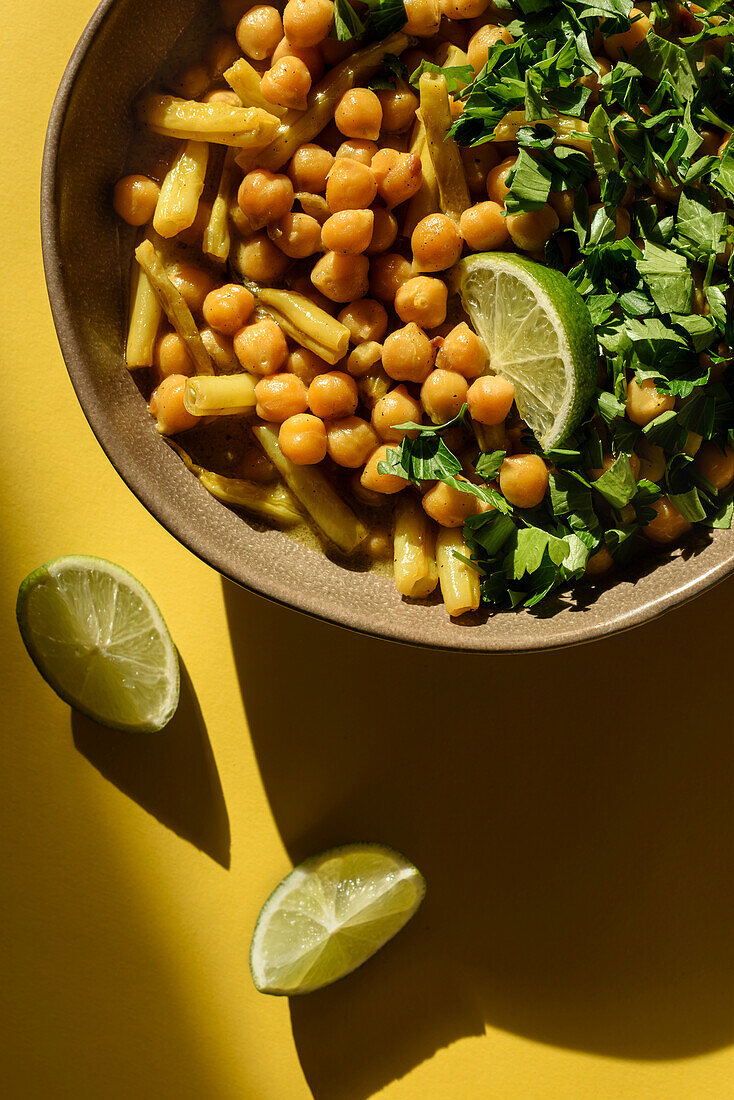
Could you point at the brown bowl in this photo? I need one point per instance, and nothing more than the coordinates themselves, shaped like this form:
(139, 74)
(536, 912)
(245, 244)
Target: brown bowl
(124, 45)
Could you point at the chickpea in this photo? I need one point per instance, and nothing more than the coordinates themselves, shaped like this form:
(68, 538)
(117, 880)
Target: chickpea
(448, 506)
(592, 81)
(619, 46)
(309, 168)
(309, 55)
(396, 407)
(366, 320)
(167, 406)
(348, 231)
(228, 308)
(376, 482)
(563, 204)
(221, 95)
(298, 235)
(280, 396)
(313, 205)
(478, 160)
(530, 231)
(711, 142)
(479, 44)
(261, 347)
(302, 439)
(490, 399)
(192, 283)
(608, 461)
(221, 52)
(651, 459)
(220, 350)
(668, 525)
(442, 394)
(644, 402)
(398, 175)
(623, 222)
(379, 542)
(422, 300)
(171, 356)
(484, 226)
(259, 31)
(462, 351)
(333, 394)
(463, 9)
(601, 561)
(135, 199)
(424, 17)
(436, 243)
(358, 149)
(362, 358)
(265, 196)
(496, 180)
(715, 465)
(398, 109)
(384, 231)
(192, 82)
(350, 441)
(256, 466)
(340, 277)
(307, 22)
(306, 365)
(387, 274)
(359, 114)
(408, 354)
(524, 480)
(287, 83)
(350, 186)
(260, 260)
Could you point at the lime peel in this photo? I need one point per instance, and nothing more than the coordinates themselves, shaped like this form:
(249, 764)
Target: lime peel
(99, 640)
(539, 335)
(331, 914)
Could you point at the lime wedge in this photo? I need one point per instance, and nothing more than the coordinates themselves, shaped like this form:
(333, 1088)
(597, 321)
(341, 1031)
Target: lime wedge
(99, 640)
(539, 335)
(330, 914)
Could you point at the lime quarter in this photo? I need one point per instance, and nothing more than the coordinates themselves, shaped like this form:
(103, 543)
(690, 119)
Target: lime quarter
(330, 914)
(99, 640)
(538, 332)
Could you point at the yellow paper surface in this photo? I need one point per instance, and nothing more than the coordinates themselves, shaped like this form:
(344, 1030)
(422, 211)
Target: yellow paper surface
(573, 812)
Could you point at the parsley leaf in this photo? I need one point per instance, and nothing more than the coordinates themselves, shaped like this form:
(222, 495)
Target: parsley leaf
(457, 76)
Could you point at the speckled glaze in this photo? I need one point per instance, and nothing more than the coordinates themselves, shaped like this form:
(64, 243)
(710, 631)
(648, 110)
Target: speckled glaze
(124, 44)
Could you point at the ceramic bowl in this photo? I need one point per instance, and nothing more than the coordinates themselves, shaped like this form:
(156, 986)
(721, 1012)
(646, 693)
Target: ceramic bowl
(124, 45)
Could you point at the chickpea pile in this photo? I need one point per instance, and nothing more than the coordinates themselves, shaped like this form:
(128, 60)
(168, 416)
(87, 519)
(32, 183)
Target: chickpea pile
(336, 223)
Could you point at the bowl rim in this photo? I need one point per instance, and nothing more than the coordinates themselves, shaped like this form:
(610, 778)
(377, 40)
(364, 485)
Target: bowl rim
(75, 361)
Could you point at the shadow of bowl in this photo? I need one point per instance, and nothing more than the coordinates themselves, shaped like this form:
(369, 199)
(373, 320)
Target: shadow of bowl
(571, 812)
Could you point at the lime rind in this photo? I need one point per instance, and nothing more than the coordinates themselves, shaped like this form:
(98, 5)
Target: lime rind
(331, 914)
(539, 335)
(99, 640)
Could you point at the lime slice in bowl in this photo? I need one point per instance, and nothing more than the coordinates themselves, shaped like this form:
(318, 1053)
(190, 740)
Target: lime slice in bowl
(539, 335)
(99, 640)
(330, 914)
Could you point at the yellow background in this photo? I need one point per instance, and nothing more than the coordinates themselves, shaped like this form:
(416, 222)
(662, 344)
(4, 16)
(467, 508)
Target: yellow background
(573, 812)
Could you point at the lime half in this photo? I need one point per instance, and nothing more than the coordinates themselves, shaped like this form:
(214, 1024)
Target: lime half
(331, 914)
(539, 335)
(99, 640)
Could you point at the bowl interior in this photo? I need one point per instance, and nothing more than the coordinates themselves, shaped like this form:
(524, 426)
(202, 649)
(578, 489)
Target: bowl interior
(85, 253)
